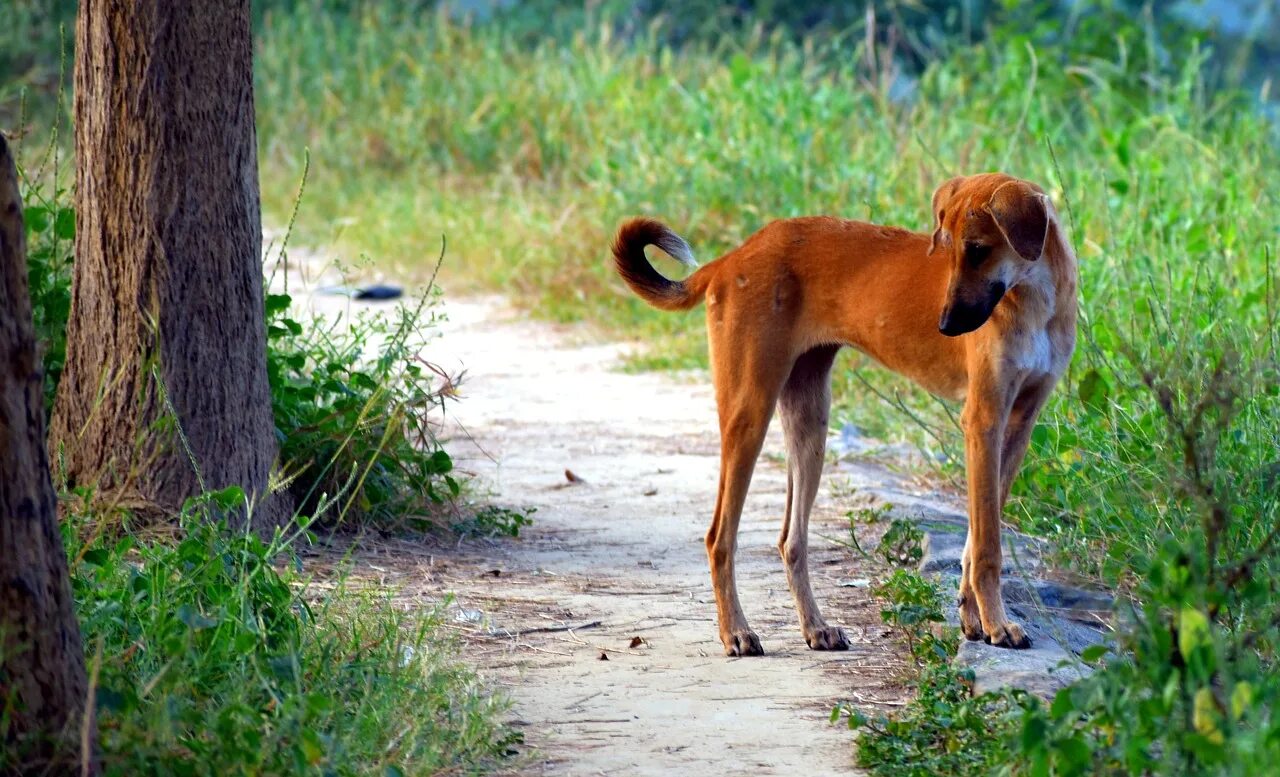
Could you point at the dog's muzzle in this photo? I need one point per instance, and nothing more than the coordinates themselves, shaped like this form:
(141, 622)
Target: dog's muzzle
(961, 317)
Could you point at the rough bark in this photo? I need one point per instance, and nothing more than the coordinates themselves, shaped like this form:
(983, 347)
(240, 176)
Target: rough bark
(42, 672)
(167, 302)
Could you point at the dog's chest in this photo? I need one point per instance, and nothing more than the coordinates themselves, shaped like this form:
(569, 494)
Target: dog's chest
(1033, 354)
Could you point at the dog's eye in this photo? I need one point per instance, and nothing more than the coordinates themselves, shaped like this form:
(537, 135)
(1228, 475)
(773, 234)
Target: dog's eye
(976, 253)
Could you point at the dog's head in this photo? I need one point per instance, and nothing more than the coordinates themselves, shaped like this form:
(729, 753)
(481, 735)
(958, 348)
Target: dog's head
(990, 227)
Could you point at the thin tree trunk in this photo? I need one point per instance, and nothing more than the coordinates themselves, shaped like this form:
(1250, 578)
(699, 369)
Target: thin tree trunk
(41, 656)
(165, 390)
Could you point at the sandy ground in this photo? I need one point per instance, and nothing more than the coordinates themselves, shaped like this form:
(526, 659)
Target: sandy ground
(640, 685)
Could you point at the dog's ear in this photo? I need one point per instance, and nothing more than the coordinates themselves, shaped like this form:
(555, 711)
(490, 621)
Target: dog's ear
(941, 197)
(1021, 212)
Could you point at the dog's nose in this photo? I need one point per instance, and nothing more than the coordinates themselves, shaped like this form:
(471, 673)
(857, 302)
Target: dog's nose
(947, 324)
(959, 320)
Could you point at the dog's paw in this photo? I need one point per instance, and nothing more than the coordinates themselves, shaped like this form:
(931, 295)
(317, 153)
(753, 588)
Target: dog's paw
(827, 638)
(970, 619)
(742, 642)
(1008, 635)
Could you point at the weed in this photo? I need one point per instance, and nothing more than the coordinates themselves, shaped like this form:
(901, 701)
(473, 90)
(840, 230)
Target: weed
(901, 544)
(50, 234)
(944, 730)
(913, 606)
(869, 515)
(496, 519)
(360, 425)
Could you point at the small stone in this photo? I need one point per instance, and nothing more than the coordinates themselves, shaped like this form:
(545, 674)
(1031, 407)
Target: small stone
(1043, 669)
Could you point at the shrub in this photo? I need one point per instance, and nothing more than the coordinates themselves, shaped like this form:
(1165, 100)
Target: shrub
(1193, 685)
(359, 426)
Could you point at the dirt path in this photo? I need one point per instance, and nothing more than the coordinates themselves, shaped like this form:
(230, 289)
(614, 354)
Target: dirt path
(619, 556)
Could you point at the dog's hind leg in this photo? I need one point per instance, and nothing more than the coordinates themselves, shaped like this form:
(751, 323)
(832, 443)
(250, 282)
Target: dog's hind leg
(803, 409)
(742, 436)
(746, 393)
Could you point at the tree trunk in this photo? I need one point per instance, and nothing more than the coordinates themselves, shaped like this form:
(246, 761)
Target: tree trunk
(165, 390)
(41, 656)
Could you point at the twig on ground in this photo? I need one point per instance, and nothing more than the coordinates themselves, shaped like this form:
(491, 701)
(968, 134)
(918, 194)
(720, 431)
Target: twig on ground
(507, 634)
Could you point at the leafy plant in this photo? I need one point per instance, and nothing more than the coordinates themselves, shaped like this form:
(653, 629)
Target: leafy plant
(51, 226)
(944, 730)
(913, 606)
(496, 519)
(357, 424)
(901, 544)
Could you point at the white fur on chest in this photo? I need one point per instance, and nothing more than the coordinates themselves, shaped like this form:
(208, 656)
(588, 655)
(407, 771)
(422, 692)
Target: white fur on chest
(1034, 354)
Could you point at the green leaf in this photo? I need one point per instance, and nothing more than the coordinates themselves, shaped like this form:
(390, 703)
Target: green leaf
(1094, 653)
(277, 303)
(1033, 733)
(312, 746)
(1063, 704)
(64, 224)
(319, 703)
(441, 462)
(1193, 630)
(36, 218)
(1075, 756)
(740, 68)
(97, 557)
(362, 381)
(229, 498)
(1241, 699)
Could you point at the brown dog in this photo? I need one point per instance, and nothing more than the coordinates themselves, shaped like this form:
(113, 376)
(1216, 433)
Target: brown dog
(983, 310)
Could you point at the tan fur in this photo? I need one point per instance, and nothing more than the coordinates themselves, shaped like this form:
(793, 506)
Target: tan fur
(782, 304)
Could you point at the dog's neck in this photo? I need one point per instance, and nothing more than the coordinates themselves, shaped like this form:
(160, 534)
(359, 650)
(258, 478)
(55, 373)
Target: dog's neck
(1061, 263)
(1048, 289)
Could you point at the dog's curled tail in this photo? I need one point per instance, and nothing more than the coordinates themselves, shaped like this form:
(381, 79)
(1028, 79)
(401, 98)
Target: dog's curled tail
(648, 283)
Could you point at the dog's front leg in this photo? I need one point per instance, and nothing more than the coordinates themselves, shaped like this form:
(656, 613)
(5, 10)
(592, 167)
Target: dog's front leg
(984, 419)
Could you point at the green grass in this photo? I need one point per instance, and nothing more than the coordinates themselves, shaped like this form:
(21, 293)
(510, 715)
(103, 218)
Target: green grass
(210, 656)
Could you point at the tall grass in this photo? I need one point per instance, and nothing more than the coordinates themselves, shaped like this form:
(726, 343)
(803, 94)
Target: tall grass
(208, 657)
(528, 156)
